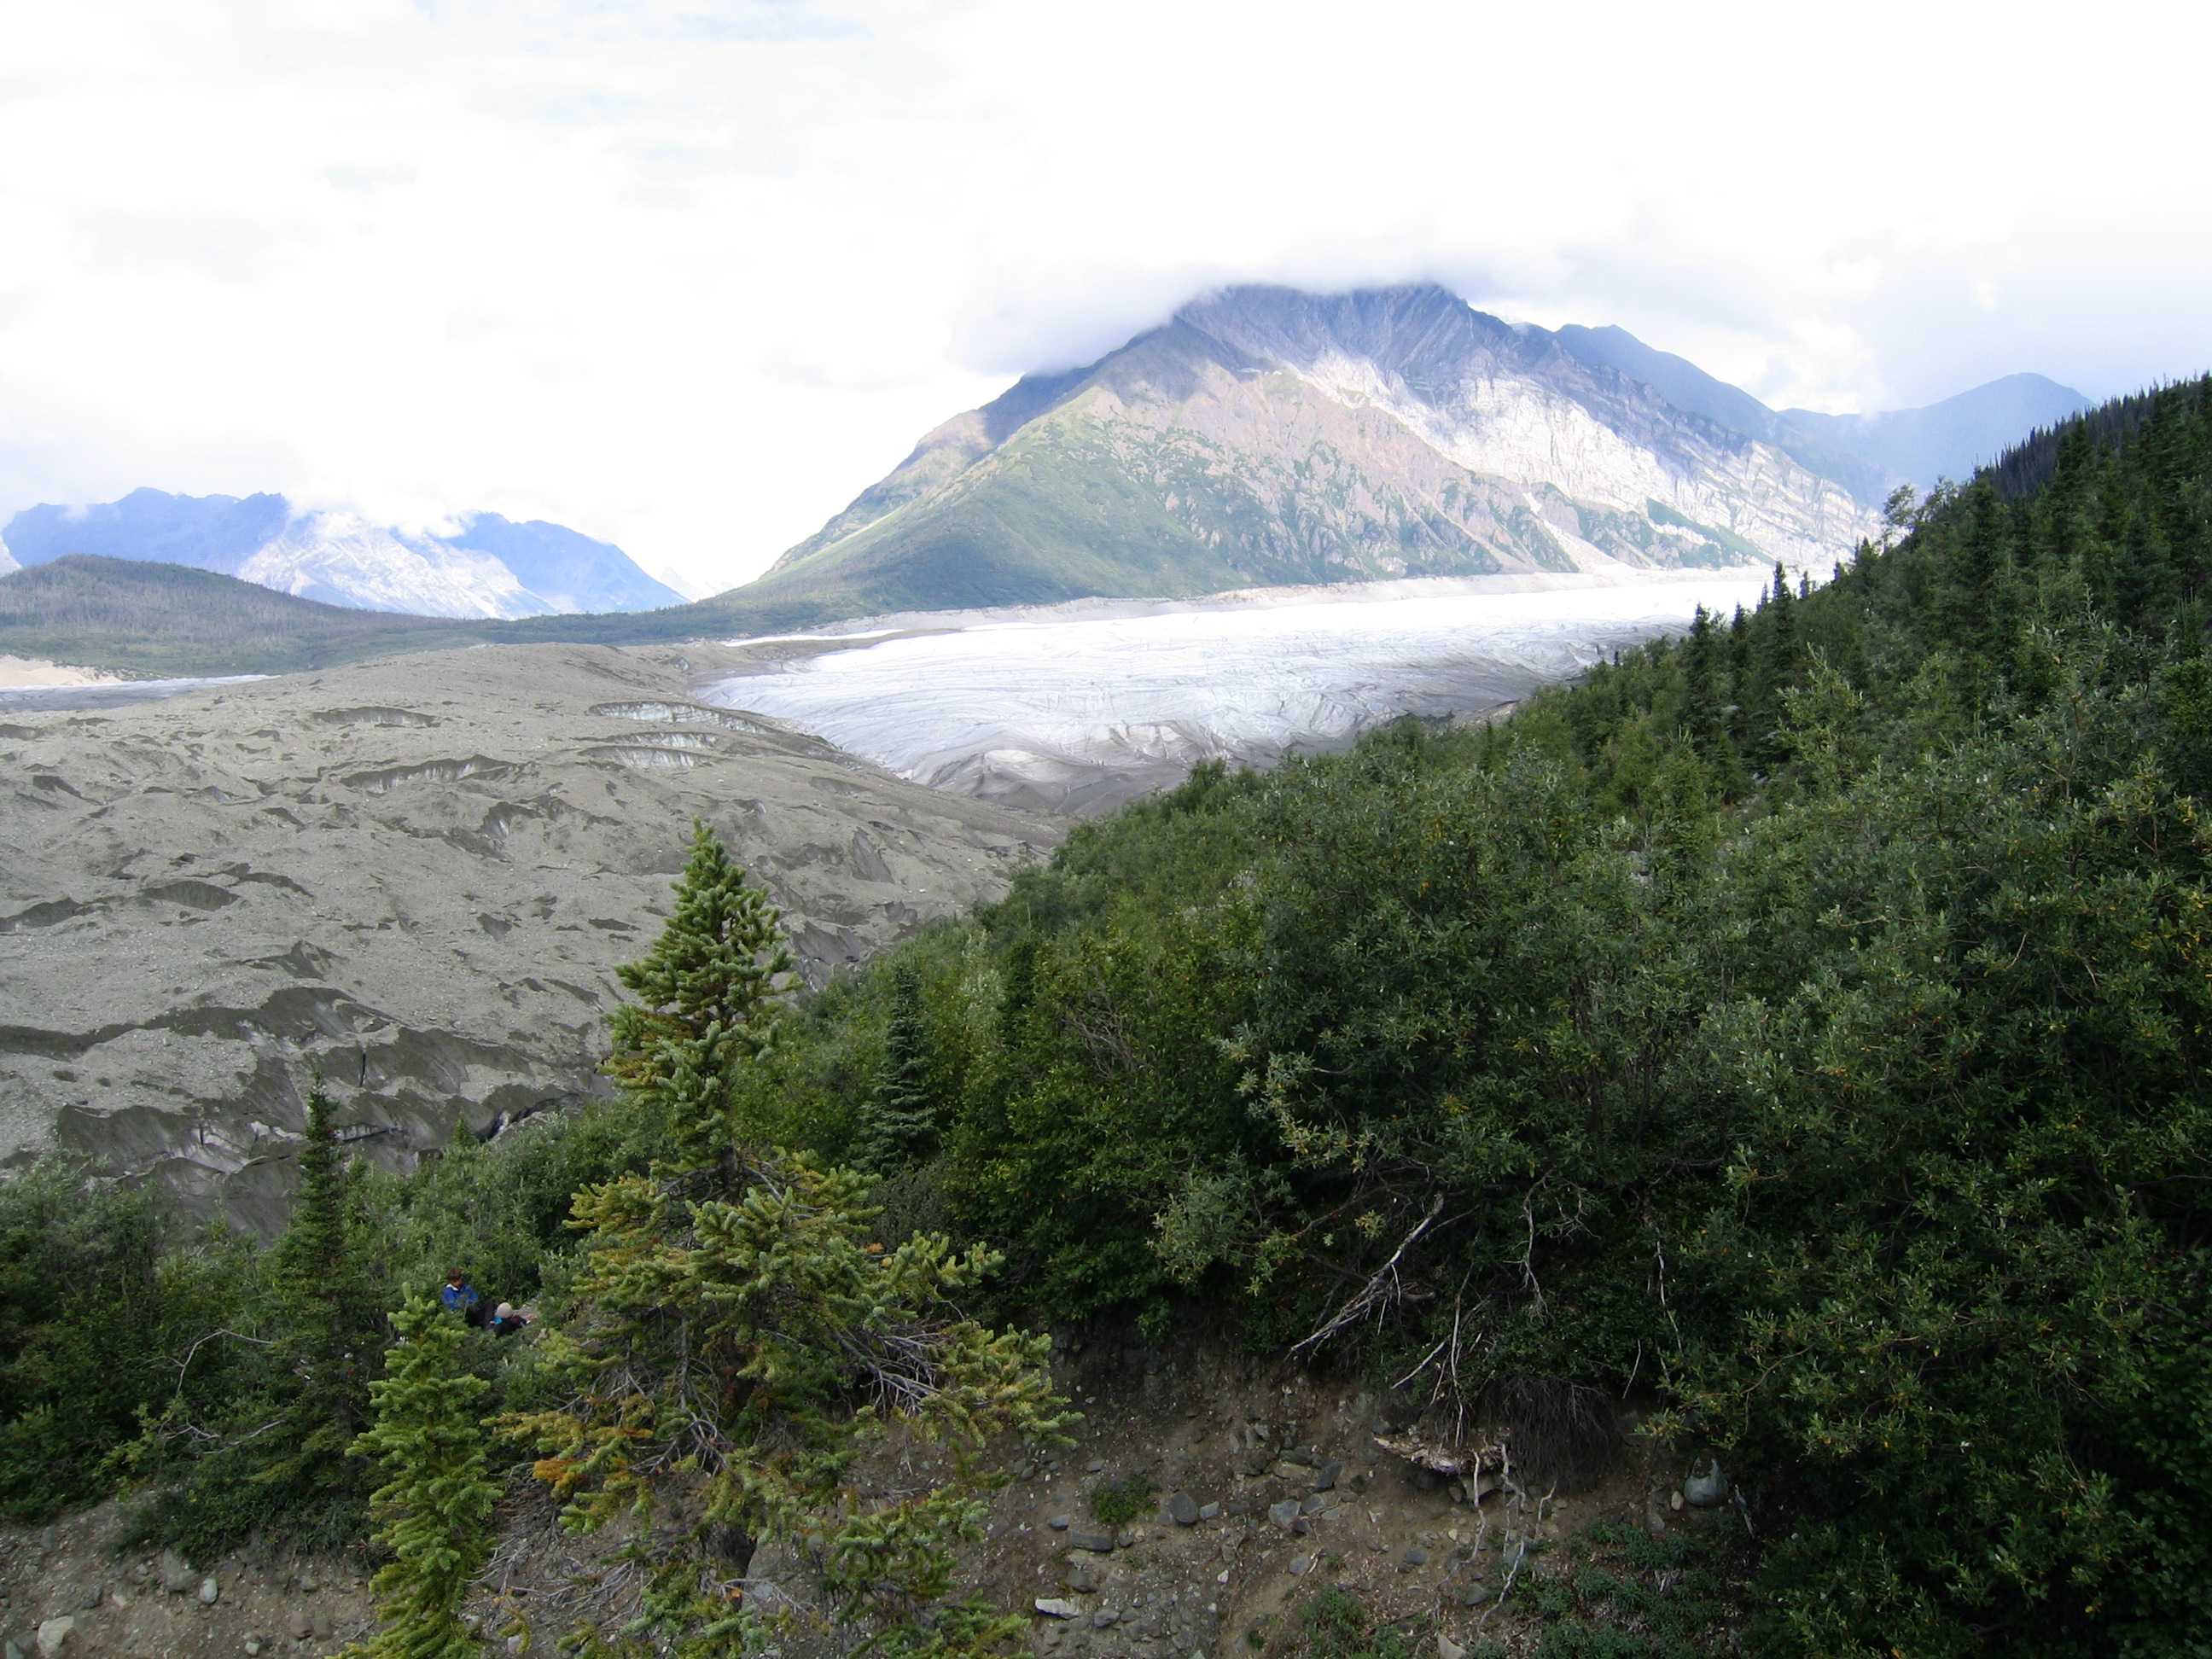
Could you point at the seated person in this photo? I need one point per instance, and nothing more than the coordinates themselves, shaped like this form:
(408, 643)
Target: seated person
(461, 1297)
(506, 1319)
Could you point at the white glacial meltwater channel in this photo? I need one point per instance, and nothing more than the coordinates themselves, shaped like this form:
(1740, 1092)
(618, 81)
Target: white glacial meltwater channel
(1079, 706)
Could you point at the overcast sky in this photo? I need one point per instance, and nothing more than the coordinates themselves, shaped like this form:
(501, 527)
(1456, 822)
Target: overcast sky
(689, 273)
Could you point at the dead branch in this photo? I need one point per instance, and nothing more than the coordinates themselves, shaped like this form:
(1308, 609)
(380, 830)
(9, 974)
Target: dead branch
(1382, 1287)
(185, 1364)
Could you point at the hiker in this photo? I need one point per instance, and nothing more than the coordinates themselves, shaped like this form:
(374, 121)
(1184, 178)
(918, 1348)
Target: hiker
(461, 1297)
(506, 1319)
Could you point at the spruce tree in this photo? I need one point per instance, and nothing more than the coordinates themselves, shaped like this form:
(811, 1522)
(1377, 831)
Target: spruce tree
(436, 1505)
(737, 1336)
(704, 993)
(899, 1121)
(1701, 711)
(324, 1322)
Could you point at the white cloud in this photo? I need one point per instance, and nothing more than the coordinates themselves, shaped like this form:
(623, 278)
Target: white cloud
(687, 274)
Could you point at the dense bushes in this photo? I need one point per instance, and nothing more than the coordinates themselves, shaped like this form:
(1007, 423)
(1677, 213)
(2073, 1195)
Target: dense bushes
(79, 1285)
(229, 1378)
(1807, 1019)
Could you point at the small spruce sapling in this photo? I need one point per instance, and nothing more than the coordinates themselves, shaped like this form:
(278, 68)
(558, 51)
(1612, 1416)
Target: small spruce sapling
(436, 1505)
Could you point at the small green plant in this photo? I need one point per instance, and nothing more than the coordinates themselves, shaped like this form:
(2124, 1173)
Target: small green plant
(1337, 1625)
(1117, 1503)
(1634, 1596)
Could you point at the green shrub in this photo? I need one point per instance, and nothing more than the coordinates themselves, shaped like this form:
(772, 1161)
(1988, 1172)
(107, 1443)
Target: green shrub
(1117, 1503)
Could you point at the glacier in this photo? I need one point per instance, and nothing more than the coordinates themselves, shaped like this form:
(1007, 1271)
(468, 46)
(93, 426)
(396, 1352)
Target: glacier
(1078, 708)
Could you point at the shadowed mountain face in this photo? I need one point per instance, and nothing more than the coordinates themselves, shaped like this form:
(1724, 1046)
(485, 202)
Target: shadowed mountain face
(1867, 454)
(421, 874)
(1267, 436)
(491, 569)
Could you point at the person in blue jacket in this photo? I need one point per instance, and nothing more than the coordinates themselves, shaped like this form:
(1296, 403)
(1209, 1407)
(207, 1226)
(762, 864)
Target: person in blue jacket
(461, 1297)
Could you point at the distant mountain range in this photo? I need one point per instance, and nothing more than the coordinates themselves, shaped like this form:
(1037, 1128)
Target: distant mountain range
(1261, 436)
(491, 569)
(1264, 435)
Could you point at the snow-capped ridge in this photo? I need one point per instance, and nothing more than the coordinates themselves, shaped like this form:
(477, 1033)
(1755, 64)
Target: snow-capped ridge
(476, 565)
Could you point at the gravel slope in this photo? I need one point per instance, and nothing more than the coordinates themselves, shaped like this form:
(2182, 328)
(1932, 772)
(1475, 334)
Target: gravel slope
(421, 872)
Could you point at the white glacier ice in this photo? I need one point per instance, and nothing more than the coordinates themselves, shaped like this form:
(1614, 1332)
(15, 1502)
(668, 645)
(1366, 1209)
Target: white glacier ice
(1077, 706)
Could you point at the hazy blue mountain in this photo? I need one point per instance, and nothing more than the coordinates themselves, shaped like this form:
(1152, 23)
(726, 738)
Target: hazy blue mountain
(492, 569)
(208, 532)
(1948, 440)
(563, 566)
(1867, 454)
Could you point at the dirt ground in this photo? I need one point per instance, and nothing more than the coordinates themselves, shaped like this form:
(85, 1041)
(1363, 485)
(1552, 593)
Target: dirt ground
(1241, 1439)
(1276, 1471)
(79, 1569)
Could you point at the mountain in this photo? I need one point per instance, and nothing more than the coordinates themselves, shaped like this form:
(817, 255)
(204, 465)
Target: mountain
(569, 570)
(1948, 440)
(491, 569)
(146, 617)
(1266, 436)
(1869, 454)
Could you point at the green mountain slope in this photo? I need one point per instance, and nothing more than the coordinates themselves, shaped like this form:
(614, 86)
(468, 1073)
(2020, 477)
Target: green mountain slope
(1266, 437)
(150, 619)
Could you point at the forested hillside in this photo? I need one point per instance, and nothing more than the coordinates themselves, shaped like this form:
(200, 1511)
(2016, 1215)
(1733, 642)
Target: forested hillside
(1798, 1028)
(1805, 1022)
(150, 619)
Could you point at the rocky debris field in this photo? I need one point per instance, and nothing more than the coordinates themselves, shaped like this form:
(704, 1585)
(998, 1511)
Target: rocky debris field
(1208, 1498)
(75, 1589)
(422, 874)
(1206, 1501)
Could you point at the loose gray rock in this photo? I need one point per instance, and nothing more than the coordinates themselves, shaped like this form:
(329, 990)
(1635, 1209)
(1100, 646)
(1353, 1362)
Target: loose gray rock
(1054, 1606)
(1415, 1556)
(1704, 1491)
(1209, 1511)
(12, 1649)
(1061, 1523)
(1103, 1618)
(1183, 1508)
(517, 831)
(298, 1627)
(1285, 1514)
(176, 1574)
(1098, 1543)
(1301, 1565)
(210, 1592)
(56, 1636)
(1095, 1466)
(252, 1647)
(1448, 1648)
(1325, 1476)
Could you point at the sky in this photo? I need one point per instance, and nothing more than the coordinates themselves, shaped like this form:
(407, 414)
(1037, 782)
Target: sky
(688, 275)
